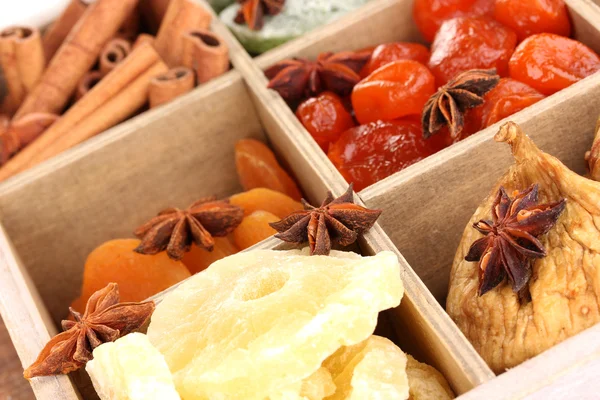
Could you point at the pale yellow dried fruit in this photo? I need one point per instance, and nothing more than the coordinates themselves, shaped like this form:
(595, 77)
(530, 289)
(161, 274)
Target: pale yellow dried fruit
(372, 369)
(426, 382)
(257, 323)
(565, 287)
(131, 369)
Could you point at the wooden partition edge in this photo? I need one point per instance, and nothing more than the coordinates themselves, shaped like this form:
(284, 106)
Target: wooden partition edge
(28, 323)
(568, 370)
(443, 338)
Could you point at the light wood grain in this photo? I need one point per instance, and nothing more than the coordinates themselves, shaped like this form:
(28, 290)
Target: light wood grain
(12, 384)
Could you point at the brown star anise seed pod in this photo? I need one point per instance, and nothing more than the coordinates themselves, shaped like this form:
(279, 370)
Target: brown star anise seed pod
(448, 104)
(252, 12)
(299, 78)
(337, 220)
(510, 241)
(175, 230)
(104, 320)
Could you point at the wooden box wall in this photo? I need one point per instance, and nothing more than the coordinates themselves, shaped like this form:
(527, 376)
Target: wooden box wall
(56, 213)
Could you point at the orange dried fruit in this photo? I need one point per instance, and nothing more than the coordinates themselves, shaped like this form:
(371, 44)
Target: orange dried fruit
(257, 167)
(138, 276)
(254, 228)
(263, 199)
(198, 259)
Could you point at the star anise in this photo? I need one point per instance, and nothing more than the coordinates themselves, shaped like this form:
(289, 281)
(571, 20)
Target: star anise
(175, 230)
(104, 320)
(448, 104)
(298, 78)
(337, 220)
(252, 12)
(510, 243)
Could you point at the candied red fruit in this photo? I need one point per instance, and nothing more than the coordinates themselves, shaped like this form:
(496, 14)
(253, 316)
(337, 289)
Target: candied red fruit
(368, 153)
(325, 118)
(549, 62)
(430, 14)
(533, 16)
(467, 43)
(507, 98)
(393, 91)
(389, 52)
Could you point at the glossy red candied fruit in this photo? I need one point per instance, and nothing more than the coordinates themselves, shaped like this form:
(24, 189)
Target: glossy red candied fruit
(389, 52)
(533, 16)
(325, 118)
(430, 14)
(549, 63)
(368, 153)
(393, 91)
(467, 43)
(507, 98)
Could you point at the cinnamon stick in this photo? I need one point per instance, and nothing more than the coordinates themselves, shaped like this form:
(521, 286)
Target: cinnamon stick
(153, 12)
(17, 134)
(131, 27)
(117, 96)
(113, 53)
(76, 55)
(58, 31)
(86, 83)
(143, 38)
(181, 16)
(170, 85)
(22, 62)
(205, 53)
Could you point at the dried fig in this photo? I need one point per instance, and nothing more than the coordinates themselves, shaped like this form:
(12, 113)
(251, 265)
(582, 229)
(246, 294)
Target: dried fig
(592, 156)
(560, 295)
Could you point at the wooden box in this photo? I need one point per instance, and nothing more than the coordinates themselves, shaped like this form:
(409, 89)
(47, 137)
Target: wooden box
(56, 213)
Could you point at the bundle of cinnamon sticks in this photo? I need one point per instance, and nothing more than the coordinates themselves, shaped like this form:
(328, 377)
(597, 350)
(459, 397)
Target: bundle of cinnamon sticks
(97, 65)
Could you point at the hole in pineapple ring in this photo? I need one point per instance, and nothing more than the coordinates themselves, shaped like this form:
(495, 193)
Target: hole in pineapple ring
(261, 283)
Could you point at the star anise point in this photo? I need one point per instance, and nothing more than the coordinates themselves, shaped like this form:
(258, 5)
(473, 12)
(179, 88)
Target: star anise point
(252, 12)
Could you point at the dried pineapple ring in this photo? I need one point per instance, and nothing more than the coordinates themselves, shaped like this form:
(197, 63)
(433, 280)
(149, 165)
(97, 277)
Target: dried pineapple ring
(131, 369)
(256, 323)
(374, 366)
(426, 382)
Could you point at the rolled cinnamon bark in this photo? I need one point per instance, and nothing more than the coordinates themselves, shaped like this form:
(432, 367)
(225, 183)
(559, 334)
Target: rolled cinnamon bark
(205, 53)
(22, 62)
(58, 31)
(153, 12)
(181, 16)
(18, 134)
(170, 85)
(86, 83)
(117, 96)
(113, 53)
(131, 27)
(76, 56)
(142, 38)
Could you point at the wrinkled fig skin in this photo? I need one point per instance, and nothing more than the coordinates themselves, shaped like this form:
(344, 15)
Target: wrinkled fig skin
(592, 157)
(565, 286)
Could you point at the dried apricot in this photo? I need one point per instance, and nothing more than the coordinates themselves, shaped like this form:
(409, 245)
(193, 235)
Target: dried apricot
(368, 153)
(533, 16)
(467, 43)
(138, 276)
(262, 199)
(198, 259)
(325, 118)
(254, 228)
(393, 91)
(387, 53)
(257, 167)
(429, 15)
(549, 63)
(507, 98)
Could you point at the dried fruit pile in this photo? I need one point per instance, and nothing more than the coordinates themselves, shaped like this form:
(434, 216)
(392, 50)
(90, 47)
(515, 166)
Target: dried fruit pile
(531, 280)
(179, 243)
(379, 110)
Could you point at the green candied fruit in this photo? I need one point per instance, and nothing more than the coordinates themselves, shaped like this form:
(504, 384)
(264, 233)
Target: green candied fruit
(219, 5)
(296, 18)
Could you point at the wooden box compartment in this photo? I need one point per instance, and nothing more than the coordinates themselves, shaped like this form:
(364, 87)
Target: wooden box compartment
(57, 212)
